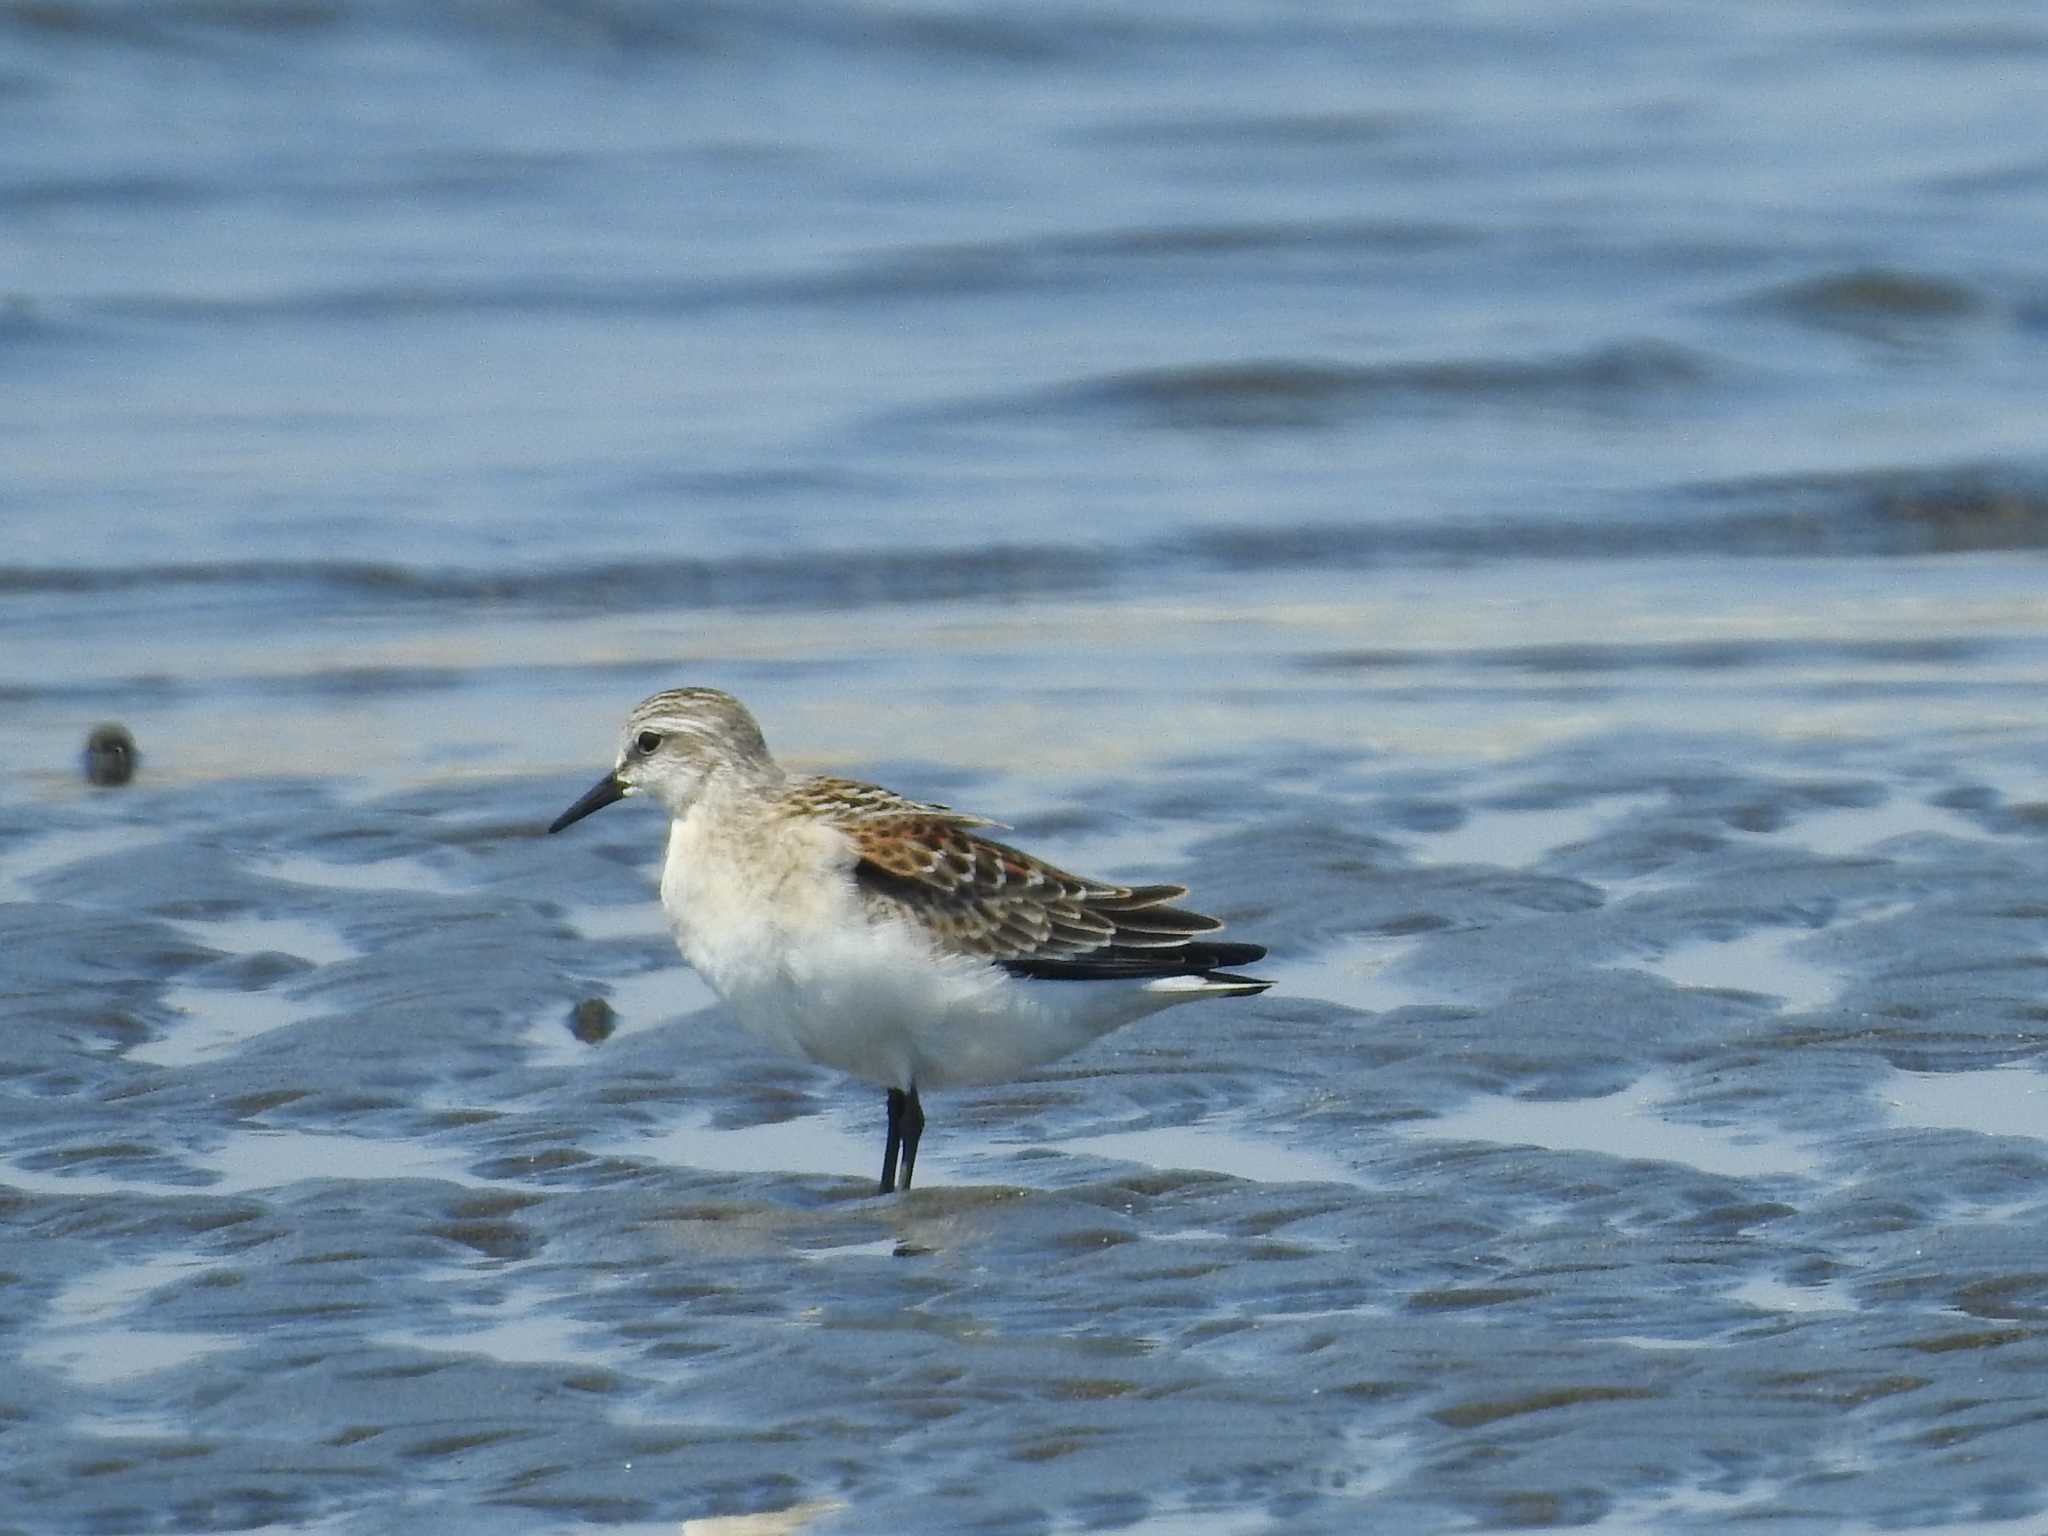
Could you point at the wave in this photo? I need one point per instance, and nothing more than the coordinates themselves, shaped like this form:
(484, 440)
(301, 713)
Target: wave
(1895, 512)
(1045, 263)
(1873, 300)
(1946, 509)
(1658, 656)
(637, 29)
(1293, 393)
(816, 580)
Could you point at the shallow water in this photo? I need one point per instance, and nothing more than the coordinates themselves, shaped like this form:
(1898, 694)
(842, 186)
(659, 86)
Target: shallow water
(1593, 1232)
(1537, 514)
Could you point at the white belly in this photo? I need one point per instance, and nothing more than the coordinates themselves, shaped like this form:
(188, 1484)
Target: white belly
(805, 968)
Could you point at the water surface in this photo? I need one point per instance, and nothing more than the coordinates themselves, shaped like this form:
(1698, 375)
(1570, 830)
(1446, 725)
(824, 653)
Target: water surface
(1536, 513)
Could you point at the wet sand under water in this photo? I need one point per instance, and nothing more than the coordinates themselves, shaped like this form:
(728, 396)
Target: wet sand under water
(1640, 1136)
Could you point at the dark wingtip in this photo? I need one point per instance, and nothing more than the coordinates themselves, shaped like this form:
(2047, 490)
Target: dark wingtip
(1124, 964)
(1252, 985)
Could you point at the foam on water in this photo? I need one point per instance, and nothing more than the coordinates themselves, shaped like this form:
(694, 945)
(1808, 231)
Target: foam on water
(1363, 973)
(1654, 1344)
(249, 1161)
(659, 996)
(2011, 1100)
(252, 1160)
(809, 1145)
(1515, 838)
(515, 1329)
(1694, 1506)
(1852, 830)
(309, 940)
(826, 1145)
(1207, 1146)
(217, 1023)
(90, 1333)
(396, 874)
(1189, 1519)
(1689, 1502)
(788, 1521)
(878, 1248)
(1752, 962)
(1628, 1124)
(622, 920)
(1769, 1294)
(132, 1426)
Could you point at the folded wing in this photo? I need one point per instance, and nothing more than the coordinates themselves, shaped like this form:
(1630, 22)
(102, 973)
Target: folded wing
(994, 902)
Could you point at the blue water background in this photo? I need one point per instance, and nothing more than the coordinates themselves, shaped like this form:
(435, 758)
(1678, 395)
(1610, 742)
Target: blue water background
(1535, 510)
(461, 353)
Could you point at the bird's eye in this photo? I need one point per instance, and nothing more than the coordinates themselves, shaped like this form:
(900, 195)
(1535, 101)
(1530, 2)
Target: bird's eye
(647, 741)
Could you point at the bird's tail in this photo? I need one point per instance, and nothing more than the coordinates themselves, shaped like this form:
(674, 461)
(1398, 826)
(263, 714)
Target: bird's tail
(1210, 984)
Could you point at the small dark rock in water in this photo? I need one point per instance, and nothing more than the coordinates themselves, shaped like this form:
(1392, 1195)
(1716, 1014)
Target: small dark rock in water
(110, 755)
(592, 1021)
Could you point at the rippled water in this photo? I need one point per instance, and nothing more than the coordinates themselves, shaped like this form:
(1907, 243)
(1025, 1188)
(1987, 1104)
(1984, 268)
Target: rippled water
(1536, 512)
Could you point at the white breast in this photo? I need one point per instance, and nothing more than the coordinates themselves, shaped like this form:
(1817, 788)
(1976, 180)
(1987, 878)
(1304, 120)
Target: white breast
(770, 917)
(741, 897)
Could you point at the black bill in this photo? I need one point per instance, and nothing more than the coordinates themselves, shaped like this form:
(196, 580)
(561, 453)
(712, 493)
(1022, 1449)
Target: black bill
(596, 798)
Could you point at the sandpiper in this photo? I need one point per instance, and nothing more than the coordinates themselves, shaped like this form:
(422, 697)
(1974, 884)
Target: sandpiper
(889, 937)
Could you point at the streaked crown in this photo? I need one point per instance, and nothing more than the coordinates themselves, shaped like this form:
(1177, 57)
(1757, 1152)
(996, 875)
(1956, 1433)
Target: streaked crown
(698, 728)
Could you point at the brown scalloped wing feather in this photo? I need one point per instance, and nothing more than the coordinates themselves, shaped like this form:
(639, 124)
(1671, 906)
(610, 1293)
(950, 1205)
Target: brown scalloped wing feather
(849, 802)
(987, 899)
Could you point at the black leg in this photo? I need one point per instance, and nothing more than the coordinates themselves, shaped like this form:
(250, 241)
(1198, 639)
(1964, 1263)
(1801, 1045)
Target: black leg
(913, 1127)
(889, 1146)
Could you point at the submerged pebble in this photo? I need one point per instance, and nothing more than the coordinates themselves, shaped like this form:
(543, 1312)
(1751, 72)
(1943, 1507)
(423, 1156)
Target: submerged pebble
(110, 756)
(593, 1020)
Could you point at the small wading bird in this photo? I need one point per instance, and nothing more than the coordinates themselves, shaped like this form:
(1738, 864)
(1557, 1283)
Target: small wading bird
(885, 936)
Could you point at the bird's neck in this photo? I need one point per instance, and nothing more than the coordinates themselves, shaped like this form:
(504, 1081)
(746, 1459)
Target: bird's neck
(733, 794)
